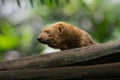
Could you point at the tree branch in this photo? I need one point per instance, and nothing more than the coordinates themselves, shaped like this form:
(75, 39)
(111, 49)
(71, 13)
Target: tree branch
(105, 71)
(63, 58)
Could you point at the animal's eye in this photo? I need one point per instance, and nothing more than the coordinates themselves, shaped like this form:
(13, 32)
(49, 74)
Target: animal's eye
(46, 31)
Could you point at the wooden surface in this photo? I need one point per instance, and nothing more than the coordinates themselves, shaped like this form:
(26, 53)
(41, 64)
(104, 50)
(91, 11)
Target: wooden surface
(63, 58)
(90, 62)
(94, 72)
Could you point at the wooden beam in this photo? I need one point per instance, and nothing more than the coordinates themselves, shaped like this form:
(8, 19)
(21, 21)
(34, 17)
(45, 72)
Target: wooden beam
(63, 58)
(94, 72)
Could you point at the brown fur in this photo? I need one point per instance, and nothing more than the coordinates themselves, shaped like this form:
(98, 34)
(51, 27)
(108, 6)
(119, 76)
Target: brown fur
(64, 36)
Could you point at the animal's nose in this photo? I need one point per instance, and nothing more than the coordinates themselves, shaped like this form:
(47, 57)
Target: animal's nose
(39, 39)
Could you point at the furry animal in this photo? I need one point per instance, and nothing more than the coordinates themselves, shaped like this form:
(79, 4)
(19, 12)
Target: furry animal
(64, 36)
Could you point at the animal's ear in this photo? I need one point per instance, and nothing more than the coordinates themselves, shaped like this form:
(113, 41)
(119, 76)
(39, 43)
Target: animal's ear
(61, 27)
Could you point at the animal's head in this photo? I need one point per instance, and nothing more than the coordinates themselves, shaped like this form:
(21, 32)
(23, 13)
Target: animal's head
(52, 35)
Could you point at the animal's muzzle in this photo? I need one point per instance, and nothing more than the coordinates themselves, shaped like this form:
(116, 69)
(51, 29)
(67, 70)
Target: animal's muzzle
(41, 40)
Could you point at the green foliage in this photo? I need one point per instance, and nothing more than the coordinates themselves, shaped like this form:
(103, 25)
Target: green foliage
(8, 36)
(21, 38)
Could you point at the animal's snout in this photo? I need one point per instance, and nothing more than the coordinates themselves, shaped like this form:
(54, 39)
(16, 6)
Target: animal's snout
(39, 39)
(42, 40)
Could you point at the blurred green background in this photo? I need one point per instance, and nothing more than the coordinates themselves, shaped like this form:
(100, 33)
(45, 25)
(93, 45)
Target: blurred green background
(22, 20)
